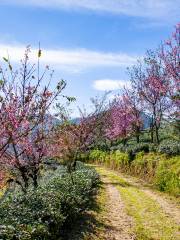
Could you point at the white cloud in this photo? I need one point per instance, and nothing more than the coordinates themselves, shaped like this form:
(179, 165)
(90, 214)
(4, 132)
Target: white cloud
(142, 8)
(109, 84)
(70, 60)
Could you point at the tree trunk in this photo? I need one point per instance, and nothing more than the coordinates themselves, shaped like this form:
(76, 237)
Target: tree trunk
(35, 178)
(137, 138)
(25, 178)
(124, 142)
(152, 130)
(157, 134)
(152, 135)
(137, 134)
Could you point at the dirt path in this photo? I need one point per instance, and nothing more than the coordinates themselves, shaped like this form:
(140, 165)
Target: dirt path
(169, 207)
(135, 211)
(118, 222)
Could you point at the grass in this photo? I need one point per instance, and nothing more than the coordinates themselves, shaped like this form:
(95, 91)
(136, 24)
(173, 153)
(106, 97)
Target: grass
(150, 222)
(99, 214)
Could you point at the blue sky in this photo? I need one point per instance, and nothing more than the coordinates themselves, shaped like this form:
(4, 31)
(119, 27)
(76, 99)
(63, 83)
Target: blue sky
(88, 43)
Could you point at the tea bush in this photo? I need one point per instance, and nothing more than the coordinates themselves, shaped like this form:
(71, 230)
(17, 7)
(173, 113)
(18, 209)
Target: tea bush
(43, 213)
(170, 147)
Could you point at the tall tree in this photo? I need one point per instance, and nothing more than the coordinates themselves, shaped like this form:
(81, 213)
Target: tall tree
(170, 55)
(152, 85)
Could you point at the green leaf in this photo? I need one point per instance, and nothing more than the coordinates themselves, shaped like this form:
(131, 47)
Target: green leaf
(39, 53)
(61, 85)
(70, 99)
(10, 67)
(1, 82)
(5, 59)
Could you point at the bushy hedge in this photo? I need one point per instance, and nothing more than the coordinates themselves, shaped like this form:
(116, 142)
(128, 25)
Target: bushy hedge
(132, 149)
(43, 213)
(170, 147)
(157, 168)
(145, 165)
(168, 176)
(167, 146)
(97, 155)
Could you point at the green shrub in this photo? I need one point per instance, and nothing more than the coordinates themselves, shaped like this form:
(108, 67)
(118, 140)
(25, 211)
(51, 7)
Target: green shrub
(145, 165)
(121, 159)
(97, 156)
(168, 176)
(43, 213)
(139, 148)
(170, 147)
(119, 147)
(153, 147)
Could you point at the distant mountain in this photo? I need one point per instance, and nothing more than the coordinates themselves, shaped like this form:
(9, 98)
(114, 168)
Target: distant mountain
(146, 120)
(75, 120)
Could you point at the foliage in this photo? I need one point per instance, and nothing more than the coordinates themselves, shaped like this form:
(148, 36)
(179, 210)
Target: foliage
(154, 89)
(145, 165)
(132, 149)
(25, 120)
(121, 119)
(74, 139)
(42, 214)
(170, 55)
(97, 155)
(119, 160)
(170, 147)
(168, 176)
(154, 167)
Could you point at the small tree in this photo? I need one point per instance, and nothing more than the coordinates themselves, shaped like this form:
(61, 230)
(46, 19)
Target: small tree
(25, 125)
(152, 85)
(121, 120)
(170, 55)
(76, 138)
(134, 104)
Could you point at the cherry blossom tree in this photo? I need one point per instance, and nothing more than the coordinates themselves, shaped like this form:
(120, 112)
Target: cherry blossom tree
(152, 85)
(170, 55)
(121, 120)
(76, 138)
(25, 105)
(135, 106)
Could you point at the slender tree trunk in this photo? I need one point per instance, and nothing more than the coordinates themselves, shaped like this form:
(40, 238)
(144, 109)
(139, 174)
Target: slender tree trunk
(124, 141)
(157, 134)
(137, 134)
(35, 178)
(25, 178)
(152, 135)
(152, 130)
(137, 138)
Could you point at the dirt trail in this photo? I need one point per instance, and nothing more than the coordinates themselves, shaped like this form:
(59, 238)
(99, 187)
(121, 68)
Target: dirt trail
(169, 207)
(128, 201)
(118, 222)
